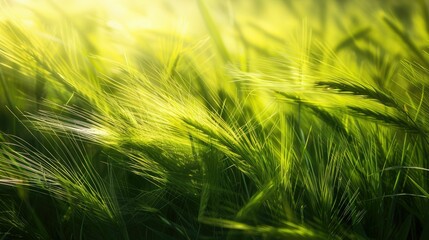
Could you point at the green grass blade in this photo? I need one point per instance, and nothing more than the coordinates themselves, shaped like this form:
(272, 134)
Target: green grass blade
(213, 30)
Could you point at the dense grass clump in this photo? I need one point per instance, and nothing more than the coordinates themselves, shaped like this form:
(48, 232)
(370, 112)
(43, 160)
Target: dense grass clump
(201, 119)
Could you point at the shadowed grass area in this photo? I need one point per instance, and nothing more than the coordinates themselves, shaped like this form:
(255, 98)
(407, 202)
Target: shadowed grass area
(214, 120)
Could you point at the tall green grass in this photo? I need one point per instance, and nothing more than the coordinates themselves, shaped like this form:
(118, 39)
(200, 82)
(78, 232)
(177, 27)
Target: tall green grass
(214, 120)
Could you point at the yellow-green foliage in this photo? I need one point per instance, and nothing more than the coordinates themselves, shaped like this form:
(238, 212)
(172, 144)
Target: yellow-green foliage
(211, 119)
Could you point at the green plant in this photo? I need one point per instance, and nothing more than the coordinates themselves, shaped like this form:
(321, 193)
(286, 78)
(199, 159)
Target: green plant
(243, 125)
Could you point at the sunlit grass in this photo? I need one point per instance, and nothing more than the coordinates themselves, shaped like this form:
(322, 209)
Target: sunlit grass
(214, 120)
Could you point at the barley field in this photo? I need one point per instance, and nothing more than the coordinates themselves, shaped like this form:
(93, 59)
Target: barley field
(205, 119)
